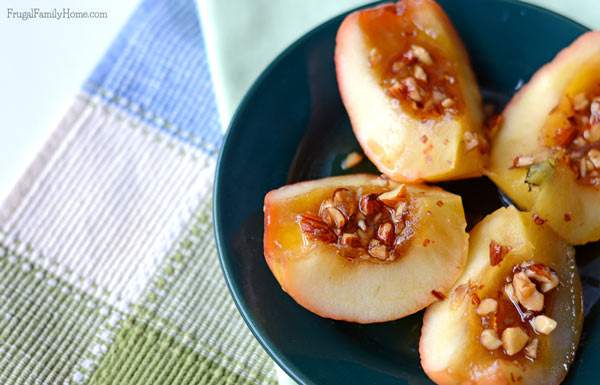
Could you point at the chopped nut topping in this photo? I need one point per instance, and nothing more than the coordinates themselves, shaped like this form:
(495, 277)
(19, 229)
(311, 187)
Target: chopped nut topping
(315, 228)
(385, 233)
(351, 240)
(527, 293)
(595, 111)
(396, 91)
(411, 81)
(438, 96)
(352, 220)
(594, 156)
(489, 339)
(538, 220)
(522, 293)
(531, 348)
(334, 217)
(351, 160)
(572, 130)
(378, 250)
(362, 225)
(514, 340)
(542, 274)
(392, 197)
(345, 201)
(592, 134)
(369, 205)
(543, 324)
(413, 89)
(522, 161)
(419, 73)
(497, 252)
(487, 306)
(447, 102)
(471, 140)
(421, 54)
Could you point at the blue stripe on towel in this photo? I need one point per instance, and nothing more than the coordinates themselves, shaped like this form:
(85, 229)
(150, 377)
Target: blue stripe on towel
(157, 70)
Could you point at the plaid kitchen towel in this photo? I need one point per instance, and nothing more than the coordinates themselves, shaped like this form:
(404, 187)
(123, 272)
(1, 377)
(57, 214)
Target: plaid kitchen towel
(108, 268)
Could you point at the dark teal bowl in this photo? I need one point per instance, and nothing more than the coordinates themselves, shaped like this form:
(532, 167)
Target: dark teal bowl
(292, 126)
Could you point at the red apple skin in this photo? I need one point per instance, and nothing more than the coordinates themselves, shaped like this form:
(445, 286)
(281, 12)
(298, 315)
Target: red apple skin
(329, 285)
(392, 139)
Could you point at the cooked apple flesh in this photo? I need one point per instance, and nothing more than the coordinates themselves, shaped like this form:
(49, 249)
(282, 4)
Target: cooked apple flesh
(515, 315)
(412, 98)
(363, 248)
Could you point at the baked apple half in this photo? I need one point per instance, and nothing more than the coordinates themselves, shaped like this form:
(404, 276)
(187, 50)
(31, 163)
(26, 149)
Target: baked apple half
(362, 248)
(546, 152)
(515, 314)
(406, 81)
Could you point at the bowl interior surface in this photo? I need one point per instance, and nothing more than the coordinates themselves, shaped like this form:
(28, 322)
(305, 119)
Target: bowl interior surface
(292, 126)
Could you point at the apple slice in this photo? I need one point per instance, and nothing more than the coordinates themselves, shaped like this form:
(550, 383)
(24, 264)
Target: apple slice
(546, 152)
(515, 314)
(362, 248)
(407, 84)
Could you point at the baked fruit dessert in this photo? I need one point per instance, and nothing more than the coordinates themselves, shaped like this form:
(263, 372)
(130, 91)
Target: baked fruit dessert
(515, 314)
(406, 82)
(546, 153)
(363, 248)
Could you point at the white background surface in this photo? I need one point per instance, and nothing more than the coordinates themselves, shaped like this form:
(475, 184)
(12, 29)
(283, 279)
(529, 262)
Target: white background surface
(43, 63)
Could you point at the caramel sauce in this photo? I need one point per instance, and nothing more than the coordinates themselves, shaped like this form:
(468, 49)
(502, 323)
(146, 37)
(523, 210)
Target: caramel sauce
(391, 36)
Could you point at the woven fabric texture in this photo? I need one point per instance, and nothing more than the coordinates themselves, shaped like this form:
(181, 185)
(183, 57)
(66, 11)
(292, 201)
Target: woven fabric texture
(108, 268)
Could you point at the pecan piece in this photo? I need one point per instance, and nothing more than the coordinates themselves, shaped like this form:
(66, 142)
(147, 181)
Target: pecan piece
(392, 197)
(315, 228)
(497, 252)
(350, 240)
(369, 205)
(345, 200)
(421, 54)
(377, 250)
(385, 233)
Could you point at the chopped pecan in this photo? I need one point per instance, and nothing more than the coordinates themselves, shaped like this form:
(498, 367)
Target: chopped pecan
(351, 160)
(369, 204)
(377, 250)
(385, 233)
(392, 197)
(489, 339)
(514, 340)
(315, 228)
(497, 252)
(350, 240)
(345, 200)
(527, 293)
(421, 54)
